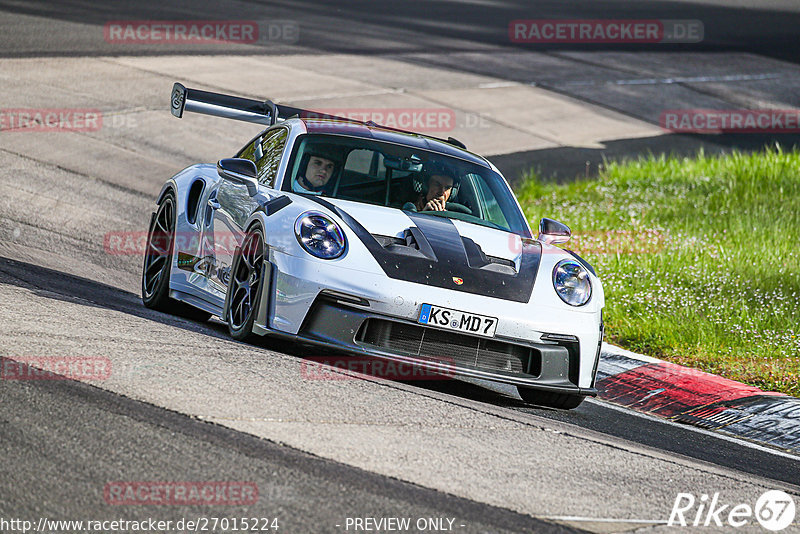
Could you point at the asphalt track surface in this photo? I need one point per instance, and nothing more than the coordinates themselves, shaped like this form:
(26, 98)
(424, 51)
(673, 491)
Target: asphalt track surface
(122, 439)
(593, 415)
(60, 441)
(380, 27)
(472, 37)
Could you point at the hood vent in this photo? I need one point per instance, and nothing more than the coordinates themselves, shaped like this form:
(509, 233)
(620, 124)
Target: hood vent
(413, 243)
(437, 255)
(478, 260)
(501, 265)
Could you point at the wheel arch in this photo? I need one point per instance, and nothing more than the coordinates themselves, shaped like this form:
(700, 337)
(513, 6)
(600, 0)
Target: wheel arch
(169, 186)
(181, 183)
(256, 220)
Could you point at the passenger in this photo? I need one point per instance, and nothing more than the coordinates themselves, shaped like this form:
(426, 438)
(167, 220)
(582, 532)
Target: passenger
(437, 185)
(319, 168)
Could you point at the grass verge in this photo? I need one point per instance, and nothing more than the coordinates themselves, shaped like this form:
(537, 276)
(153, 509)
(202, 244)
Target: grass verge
(700, 258)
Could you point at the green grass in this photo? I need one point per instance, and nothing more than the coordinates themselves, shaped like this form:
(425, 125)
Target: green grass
(700, 258)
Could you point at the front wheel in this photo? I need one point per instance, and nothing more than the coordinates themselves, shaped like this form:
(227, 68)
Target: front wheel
(246, 285)
(563, 401)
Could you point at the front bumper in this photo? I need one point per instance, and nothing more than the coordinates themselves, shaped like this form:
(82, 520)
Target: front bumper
(545, 366)
(298, 297)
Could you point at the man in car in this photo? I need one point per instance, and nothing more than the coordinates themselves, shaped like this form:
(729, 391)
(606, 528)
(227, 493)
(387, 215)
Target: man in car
(437, 187)
(318, 170)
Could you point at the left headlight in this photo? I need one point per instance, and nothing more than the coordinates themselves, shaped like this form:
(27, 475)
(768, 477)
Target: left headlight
(320, 236)
(571, 282)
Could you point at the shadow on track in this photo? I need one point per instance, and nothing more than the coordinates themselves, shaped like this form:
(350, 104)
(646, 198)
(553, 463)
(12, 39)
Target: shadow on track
(382, 26)
(53, 284)
(597, 416)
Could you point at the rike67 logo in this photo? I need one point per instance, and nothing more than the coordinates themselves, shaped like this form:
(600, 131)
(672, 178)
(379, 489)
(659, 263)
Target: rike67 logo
(774, 511)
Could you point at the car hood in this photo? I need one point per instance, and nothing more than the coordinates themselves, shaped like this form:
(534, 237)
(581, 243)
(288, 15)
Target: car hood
(437, 251)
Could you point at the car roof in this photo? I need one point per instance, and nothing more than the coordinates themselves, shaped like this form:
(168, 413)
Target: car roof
(389, 135)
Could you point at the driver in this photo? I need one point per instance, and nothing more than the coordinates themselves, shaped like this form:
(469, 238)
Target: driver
(437, 186)
(317, 172)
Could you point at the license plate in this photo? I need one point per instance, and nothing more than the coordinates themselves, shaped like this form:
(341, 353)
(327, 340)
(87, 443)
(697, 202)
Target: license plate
(469, 323)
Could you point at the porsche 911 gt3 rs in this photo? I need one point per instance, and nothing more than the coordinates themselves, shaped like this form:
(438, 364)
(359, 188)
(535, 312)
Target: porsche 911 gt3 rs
(374, 241)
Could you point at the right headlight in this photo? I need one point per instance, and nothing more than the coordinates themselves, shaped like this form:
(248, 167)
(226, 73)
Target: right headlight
(571, 282)
(320, 236)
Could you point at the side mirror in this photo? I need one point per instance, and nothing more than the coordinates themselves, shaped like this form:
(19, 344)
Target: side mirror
(239, 171)
(553, 232)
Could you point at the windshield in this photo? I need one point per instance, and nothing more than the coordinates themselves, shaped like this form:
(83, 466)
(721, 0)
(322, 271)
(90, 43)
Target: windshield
(402, 177)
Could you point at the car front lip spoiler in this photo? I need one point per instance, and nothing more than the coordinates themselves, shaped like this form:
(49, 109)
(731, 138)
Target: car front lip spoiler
(442, 368)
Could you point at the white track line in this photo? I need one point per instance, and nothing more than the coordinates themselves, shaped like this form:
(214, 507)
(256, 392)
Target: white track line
(602, 519)
(686, 79)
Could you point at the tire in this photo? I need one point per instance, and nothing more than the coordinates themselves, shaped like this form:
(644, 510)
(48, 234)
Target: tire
(563, 401)
(246, 285)
(158, 261)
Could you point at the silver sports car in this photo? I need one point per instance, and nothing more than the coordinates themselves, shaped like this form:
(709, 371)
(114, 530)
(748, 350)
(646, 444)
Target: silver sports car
(375, 242)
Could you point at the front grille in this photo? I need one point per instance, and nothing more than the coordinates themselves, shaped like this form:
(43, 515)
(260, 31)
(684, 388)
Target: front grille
(449, 347)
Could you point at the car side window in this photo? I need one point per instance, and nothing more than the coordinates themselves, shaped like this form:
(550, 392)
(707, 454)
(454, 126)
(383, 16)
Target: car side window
(487, 201)
(271, 151)
(249, 151)
(265, 151)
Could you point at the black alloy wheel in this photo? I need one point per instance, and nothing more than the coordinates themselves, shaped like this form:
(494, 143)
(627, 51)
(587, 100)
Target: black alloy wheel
(246, 285)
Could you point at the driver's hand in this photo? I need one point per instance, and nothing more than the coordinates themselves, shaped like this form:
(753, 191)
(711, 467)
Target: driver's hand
(434, 205)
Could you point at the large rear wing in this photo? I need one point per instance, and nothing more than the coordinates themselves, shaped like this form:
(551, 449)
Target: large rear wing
(234, 107)
(246, 109)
